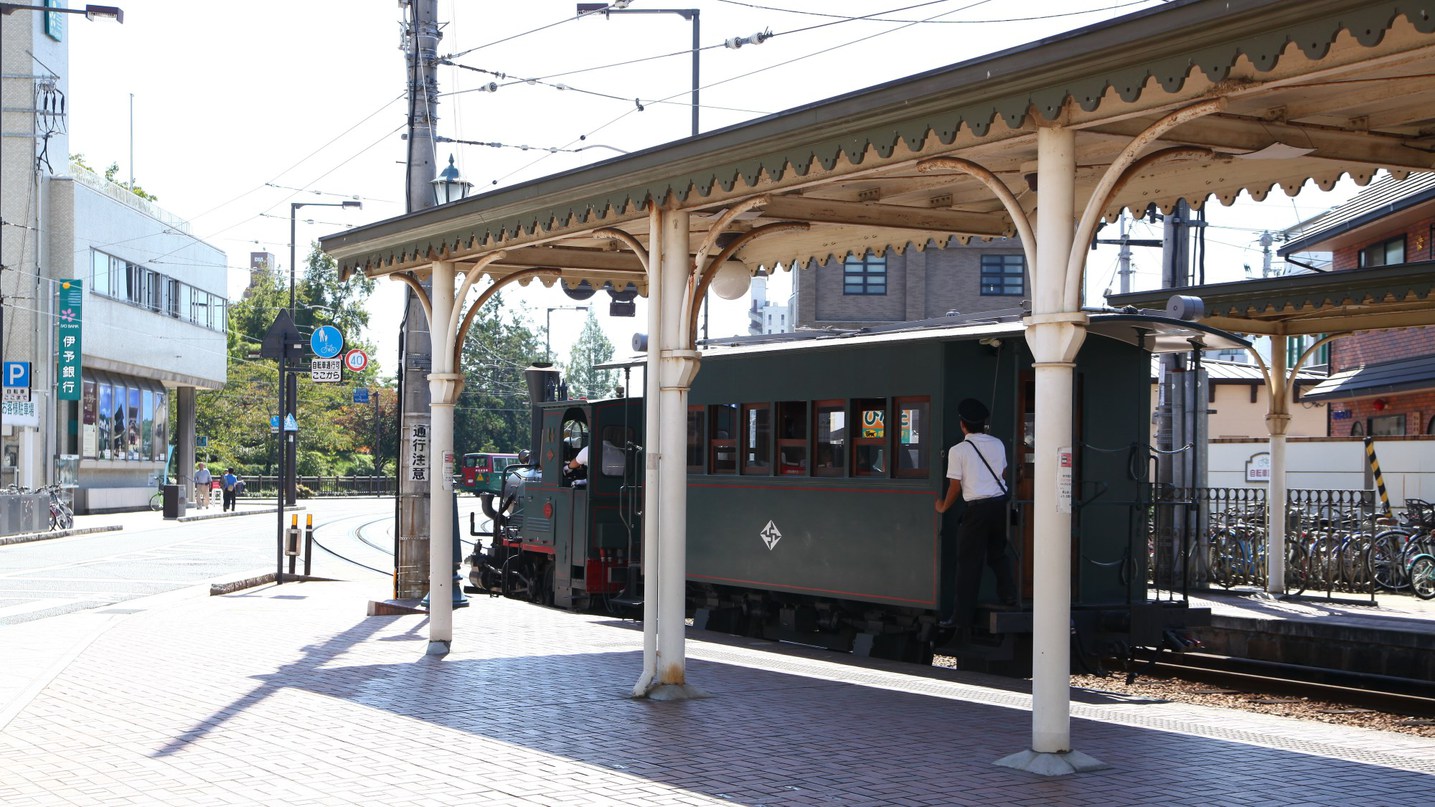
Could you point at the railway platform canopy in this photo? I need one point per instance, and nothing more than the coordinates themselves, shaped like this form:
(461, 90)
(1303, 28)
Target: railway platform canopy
(1195, 100)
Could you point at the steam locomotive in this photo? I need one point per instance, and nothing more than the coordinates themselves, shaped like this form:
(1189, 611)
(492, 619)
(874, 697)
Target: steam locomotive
(813, 464)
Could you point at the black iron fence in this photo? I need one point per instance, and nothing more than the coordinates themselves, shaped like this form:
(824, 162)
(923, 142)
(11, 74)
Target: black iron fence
(1217, 537)
(311, 486)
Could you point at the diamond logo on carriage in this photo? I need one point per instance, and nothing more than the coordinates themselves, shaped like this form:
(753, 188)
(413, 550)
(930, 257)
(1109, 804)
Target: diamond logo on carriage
(770, 535)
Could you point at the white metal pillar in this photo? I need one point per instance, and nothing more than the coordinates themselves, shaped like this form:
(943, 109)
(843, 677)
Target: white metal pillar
(1055, 331)
(444, 387)
(1277, 422)
(677, 363)
(652, 455)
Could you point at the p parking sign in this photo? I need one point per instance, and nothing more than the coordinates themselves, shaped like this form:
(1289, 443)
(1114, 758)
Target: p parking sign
(17, 381)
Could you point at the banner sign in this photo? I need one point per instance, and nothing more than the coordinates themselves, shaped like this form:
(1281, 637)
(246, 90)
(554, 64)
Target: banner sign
(67, 370)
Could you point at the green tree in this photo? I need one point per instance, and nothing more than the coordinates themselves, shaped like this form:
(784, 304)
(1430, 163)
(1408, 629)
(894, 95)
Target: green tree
(336, 436)
(591, 349)
(493, 409)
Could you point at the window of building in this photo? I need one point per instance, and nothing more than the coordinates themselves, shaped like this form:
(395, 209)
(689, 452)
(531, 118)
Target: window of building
(910, 436)
(829, 438)
(1386, 253)
(722, 439)
(1387, 426)
(120, 280)
(792, 437)
(757, 439)
(697, 428)
(864, 275)
(1003, 275)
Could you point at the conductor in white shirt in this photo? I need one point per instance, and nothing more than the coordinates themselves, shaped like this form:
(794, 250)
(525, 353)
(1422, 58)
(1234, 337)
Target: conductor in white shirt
(975, 470)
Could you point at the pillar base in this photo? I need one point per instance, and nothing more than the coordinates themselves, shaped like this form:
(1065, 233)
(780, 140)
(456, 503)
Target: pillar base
(437, 649)
(674, 692)
(1047, 764)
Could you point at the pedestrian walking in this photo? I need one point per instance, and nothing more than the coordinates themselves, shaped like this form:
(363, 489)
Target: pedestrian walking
(229, 483)
(203, 485)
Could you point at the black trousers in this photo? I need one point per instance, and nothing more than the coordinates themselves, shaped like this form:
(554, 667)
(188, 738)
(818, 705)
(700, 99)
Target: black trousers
(228, 499)
(981, 540)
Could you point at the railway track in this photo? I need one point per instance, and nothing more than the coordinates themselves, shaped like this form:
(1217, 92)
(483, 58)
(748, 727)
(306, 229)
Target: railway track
(1358, 690)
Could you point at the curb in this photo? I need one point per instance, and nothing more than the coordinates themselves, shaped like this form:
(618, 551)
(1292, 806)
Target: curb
(220, 589)
(28, 537)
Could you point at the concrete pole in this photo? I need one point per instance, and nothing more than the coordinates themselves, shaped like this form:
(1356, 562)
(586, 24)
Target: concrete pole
(1277, 422)
(414, 528)
(444, 387)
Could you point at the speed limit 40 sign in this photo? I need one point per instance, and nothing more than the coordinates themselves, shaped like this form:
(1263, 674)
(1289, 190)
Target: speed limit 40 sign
(356, 360)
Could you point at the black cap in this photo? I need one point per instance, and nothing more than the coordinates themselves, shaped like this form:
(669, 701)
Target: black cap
(973, 411)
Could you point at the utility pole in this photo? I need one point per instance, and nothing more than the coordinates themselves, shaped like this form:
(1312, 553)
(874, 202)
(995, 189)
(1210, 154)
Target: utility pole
(415, 352)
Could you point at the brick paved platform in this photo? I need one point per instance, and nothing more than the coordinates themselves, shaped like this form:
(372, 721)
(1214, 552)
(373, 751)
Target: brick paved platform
(291, 695)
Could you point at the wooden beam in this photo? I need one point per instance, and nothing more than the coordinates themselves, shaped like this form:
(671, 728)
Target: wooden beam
(827, 211)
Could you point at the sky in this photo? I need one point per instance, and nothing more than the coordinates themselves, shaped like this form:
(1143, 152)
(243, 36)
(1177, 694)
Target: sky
(228, 113)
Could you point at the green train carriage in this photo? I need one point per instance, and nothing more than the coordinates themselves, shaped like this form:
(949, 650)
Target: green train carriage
(814, 464)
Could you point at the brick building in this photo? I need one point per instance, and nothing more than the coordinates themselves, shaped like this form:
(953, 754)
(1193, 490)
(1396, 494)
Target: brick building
(1382, 382)
(914, 284)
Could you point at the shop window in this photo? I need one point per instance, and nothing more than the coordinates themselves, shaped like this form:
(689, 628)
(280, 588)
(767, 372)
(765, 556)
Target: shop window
(757, 439)
(829, 438)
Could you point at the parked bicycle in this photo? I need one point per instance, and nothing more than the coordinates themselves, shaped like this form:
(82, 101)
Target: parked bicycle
(156, 501)
(61, 516)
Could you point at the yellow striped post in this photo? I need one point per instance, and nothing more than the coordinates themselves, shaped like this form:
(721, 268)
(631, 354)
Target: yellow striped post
(1374, 463)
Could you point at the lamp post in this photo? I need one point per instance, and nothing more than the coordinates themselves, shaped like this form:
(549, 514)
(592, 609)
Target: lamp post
(289, 388)
(548, 327)
(293, 218)
(690, 14)
(91, 12)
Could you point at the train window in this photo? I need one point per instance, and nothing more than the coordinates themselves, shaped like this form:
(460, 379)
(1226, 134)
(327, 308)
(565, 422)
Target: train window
(792, 437)
(869, 442)
(757, 439)
(909, 439)
(829, 436)
(615, 455)
(722, 439)
(573, 439)
(697, 428)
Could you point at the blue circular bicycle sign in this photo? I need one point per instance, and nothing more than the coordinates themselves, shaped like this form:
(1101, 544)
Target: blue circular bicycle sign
(326, 341)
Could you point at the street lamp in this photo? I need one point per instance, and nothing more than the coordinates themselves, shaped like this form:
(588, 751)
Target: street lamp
(293, 210)
(91, 12)
(690, 14)
(449, 186)
(548, 327)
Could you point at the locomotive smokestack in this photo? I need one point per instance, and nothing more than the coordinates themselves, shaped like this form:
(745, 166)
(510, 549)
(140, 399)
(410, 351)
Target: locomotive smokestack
(544, 384)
